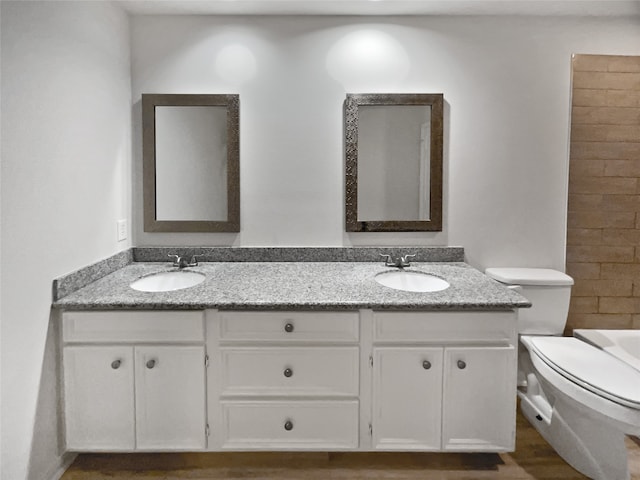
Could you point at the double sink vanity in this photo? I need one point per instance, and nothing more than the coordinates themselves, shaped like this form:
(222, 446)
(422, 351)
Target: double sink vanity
(333, 352)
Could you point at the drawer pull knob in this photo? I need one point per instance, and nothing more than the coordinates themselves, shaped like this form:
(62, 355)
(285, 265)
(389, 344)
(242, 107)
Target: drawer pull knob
(288, 425)
(461, 365)
(116, 364)
(151, 363)
(288, 327)
(426, 364)
(288, 372)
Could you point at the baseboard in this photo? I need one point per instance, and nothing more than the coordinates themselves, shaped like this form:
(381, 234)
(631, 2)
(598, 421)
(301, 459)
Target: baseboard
(58, 470)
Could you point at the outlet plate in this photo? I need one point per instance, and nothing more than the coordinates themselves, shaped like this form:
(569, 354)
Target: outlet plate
(122, 230)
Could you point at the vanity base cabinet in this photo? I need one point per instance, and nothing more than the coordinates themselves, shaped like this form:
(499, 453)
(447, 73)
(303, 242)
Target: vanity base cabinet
(284, 380)
(444, 381)
(479, 410)
(170, 397)
(309, 381)
(290, 425)
(99, 399)
(407, 398)
(142, 396)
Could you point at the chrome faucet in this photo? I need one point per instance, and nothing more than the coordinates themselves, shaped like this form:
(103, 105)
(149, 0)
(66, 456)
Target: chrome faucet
(400, 262)
(181, 261)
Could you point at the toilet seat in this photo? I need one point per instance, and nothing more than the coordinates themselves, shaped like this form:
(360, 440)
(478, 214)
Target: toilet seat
(588, 367)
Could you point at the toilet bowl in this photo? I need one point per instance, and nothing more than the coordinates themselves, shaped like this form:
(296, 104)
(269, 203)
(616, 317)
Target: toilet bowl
(582, 400)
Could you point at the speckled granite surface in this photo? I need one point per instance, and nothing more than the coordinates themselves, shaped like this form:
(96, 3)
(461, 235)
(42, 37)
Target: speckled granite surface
(299, 254)
(75, 280)
(295, 285)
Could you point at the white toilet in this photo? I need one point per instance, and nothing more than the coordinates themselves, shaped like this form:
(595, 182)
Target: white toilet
(581, 399)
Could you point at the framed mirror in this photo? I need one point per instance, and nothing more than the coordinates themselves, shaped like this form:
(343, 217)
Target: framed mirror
(191, 163)
(393, 157)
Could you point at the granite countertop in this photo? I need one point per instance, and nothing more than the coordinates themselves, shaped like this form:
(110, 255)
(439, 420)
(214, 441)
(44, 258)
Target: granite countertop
(295, 286)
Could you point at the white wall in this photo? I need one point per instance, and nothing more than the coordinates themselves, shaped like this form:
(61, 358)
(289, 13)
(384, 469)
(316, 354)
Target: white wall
(66, 179)
(506, 84)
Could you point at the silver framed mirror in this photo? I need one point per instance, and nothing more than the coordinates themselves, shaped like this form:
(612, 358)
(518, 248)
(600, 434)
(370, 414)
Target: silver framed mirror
(393, 162)
(191, 163)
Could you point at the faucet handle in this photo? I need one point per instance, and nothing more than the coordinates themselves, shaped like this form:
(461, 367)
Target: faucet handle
(405, 259)
(176, 259)
(388, 260)
(194, 261)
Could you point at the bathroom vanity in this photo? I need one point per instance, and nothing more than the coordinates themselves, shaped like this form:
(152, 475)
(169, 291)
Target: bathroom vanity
(290, 356)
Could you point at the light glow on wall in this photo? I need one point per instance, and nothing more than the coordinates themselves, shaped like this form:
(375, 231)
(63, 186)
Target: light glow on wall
(236, 64)
(367, 59)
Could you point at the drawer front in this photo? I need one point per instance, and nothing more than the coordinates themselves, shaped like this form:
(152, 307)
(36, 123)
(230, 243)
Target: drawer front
(290, 326)
(290, 371)
(133, 326)
(437, 327)
(302, 425)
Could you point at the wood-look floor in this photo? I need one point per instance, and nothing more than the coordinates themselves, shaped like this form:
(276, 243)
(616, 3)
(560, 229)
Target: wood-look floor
(533, 459)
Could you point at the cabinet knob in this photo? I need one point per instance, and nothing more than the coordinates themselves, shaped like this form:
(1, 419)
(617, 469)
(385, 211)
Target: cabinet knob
(426, 364)
(288, 372)
(116, 364)
(288, 327)
(288, 425)
(462, 365)
(151, 363)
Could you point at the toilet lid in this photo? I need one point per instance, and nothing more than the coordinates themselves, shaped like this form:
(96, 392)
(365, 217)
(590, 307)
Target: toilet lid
(590, 367)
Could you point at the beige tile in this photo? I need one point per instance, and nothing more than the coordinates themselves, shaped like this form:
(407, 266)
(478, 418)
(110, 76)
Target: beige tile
(605, 151)
(582, 202)
(606, 80)
(600, 320)
(620, 203)
(605, 133)
(620, 168)
(622, 98)
(590, 63)
(600, 253)
(582, 97)
(619, 271)
(603, 220)
(621, 236)
(607, 288)
(605, 63)
(583, 305)
(587, 168)
(611, 185)
(583, 271)
(624, 63)
(603, 116)
(584, 236)
(619, 305)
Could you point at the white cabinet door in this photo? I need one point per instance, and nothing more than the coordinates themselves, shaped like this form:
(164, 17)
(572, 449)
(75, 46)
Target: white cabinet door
(99, 405)
(407, 398)
(170, 397)
(479, 404)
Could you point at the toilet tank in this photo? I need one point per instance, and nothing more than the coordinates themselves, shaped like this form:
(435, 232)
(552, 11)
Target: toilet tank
(549, 292)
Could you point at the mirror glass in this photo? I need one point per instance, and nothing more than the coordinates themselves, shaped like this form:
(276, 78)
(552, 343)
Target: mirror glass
(191, 163)
(393, 162)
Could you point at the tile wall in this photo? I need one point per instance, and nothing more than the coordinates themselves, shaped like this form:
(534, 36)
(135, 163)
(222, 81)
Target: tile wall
(603, 236)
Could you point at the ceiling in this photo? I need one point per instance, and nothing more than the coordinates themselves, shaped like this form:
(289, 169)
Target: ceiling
(384, 7)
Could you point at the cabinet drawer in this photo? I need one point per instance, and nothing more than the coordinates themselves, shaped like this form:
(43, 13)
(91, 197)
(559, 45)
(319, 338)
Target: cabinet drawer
(290, 371)
(436, 327)
(133, 326)
(302, 425)
(290, 326)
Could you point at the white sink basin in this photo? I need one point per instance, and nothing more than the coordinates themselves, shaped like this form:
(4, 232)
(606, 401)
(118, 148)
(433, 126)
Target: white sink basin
(167, 281)
(411, 281)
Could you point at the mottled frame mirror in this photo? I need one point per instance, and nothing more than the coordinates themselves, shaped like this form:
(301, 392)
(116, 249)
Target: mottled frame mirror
(428, 172)
(217, 178)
